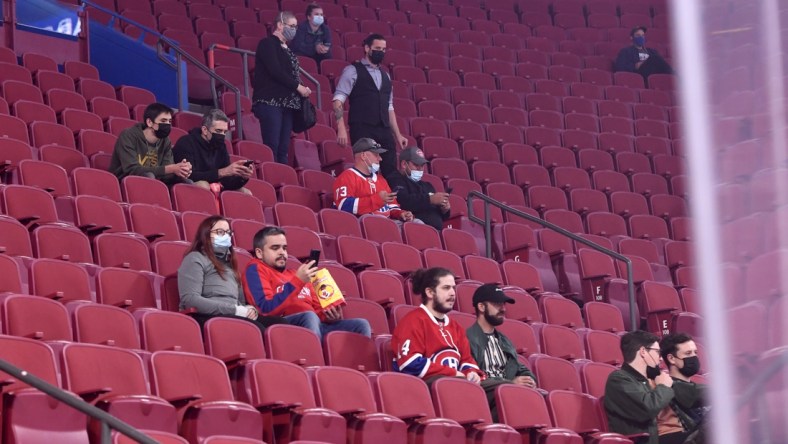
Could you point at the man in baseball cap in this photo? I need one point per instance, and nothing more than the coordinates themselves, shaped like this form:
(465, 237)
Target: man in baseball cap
(416, 195)
(491, 349)
(361, 190)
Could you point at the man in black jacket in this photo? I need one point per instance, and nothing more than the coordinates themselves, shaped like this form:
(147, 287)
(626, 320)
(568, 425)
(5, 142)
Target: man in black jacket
(415, 195)
(205, 149)
(491, 349)
(685, 414)
(639, 59)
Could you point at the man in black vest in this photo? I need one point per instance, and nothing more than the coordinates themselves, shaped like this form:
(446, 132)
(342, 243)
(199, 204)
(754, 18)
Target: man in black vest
(368, 89)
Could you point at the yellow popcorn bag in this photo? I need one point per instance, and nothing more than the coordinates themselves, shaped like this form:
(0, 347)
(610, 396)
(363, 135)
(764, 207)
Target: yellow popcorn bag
(327, 290)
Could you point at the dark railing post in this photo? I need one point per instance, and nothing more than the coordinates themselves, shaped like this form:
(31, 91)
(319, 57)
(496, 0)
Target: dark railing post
(488, 240)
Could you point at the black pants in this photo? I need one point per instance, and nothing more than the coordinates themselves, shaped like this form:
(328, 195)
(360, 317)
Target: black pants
(381, 135)
(673, 438)
(261, 322)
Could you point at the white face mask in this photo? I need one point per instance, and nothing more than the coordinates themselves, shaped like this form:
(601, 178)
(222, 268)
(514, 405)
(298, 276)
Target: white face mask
(416, 175)
(224, 241)
(317, 20)
(373, 167)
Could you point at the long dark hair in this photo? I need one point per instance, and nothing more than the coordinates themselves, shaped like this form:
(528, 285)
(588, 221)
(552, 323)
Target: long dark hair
(203, 245)
(425, 278)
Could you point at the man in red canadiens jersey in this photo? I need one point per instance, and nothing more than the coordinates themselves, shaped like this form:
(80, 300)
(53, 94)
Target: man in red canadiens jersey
(276, 291)
(426, 342)
(361, 190)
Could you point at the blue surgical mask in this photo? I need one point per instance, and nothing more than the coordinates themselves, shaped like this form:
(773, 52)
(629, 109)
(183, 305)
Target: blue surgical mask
(639, 40)
(317, 20)
(374, 168)
(223, 241)
(416, 175)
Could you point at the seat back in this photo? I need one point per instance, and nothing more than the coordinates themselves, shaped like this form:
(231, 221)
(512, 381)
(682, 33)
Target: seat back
(403, 396)
(105, 325)
(521, 407)
(35, 357)
(460, 400)
(573, 410)
(90, 370)
(177, 376)
(343, 390)
(60, 280)
(35, 317)
(556, 374)
(233, 340)
(124, 288)
(294, 344)
(290, 387)
(351, 350)
(163, 330)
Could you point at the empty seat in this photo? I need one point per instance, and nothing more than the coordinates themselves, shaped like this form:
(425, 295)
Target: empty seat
(51, 417)
(35, 318)
(525, 410)
(96, 183)
(104, 325)
(48, 176)
(555, 373)
(290, 399)
(177, 377)
(161, 330)
(465, 402)
(29, 205)
(59, 280)
(602, 346)
(96, 215)
(125, 288)
(190, 198)
(579, 411)
(61, 242)
(561, 311)
(294, 344)
(603, 316)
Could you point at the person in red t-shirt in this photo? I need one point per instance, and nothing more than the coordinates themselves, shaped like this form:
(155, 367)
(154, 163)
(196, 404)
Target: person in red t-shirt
(428, 344)
(361, 190)
(276, 291)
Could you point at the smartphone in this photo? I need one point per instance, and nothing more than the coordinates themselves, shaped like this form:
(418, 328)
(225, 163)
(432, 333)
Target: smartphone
(249, 163)
(448, 190)
(314, 255)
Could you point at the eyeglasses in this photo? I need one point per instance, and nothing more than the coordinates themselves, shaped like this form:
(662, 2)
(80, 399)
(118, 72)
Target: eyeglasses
(221, 232)
(652, 349)
(293, 26)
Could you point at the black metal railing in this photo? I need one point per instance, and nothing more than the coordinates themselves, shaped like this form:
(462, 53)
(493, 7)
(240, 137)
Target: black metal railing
(487, 223)
(108, 422)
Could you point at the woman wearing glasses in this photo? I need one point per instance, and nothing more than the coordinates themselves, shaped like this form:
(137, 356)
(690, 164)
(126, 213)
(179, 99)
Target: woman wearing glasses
(208, 281)
(277, 85)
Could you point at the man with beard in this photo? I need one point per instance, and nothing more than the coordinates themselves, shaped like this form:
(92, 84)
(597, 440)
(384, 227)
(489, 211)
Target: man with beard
(494, 352)
(205, 150)
(426, 343)
(275, 291)
(637, 393)
(683, 418)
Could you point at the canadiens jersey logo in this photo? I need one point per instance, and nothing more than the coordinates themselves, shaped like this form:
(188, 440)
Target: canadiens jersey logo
(447, 357)
(304, 294)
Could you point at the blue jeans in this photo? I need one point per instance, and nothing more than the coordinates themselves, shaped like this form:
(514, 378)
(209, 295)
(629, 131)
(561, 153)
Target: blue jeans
(310, 320)
(276, 123)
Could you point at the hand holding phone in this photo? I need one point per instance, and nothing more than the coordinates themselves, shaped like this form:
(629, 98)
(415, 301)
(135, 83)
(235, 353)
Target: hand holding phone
(314, 255)
(249, 163)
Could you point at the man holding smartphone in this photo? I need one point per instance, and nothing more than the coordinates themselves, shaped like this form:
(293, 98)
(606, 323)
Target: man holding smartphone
(205, 149)
(420, 197)
(313, 38)
(276, 291)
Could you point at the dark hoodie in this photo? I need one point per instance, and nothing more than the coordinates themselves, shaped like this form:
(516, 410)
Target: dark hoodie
(206, 161)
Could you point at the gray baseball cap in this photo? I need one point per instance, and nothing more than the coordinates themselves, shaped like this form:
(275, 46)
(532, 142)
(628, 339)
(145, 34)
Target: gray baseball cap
(366, 144)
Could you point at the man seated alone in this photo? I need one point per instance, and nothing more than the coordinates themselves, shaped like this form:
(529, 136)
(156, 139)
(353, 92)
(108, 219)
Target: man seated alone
(276, 291)
(639, 59)
(204, 148)
(361, 190)
(637, 393)
(416, 195)
(145, 149)
(494, 352)
(426, 343)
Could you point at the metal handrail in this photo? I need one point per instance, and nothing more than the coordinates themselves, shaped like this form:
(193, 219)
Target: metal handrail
(487, 222)
(179, 55)
(245, 53)
(107, 421)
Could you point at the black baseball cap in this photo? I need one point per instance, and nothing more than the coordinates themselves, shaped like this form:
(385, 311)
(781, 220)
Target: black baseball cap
(490, 293)
(413, 154)
(366, 144)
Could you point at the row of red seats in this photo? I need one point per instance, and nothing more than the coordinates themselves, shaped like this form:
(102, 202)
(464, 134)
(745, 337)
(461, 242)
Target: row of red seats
(174, 374)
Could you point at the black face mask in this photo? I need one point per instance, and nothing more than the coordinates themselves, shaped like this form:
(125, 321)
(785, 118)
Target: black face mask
(691, 366)
(163, 131)
(376, 56)
(652, 372)
(217, 141)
